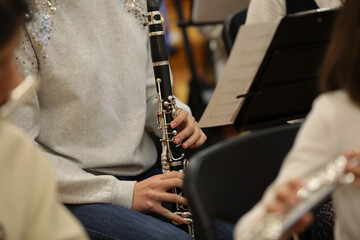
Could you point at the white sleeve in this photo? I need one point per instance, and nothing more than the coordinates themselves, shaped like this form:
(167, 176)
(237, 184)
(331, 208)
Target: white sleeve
(314, 147)
(265, 10)
(328, 3)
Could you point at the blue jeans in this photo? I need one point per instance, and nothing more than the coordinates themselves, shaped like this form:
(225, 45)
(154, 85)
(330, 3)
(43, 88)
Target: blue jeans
(107, 221)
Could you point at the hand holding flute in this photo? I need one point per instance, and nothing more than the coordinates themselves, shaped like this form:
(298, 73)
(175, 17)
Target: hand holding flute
(289, 211)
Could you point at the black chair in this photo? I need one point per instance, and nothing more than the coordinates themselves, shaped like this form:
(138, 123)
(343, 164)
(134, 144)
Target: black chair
(231, 27)
(224, 181)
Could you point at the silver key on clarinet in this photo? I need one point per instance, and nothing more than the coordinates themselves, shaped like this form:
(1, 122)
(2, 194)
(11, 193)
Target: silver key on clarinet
(172, 156)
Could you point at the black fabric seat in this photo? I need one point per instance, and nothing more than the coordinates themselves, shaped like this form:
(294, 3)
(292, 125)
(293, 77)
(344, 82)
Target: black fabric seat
(224, 181)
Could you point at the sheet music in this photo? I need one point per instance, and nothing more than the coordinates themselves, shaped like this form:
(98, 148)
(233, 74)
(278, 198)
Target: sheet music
(244, 61)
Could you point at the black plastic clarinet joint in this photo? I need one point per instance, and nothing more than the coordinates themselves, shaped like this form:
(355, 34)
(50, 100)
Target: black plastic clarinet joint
(172, 156)
(152, 5)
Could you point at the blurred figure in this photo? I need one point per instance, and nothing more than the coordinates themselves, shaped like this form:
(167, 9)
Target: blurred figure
(29, 206)
(265, 10)
(330, 129)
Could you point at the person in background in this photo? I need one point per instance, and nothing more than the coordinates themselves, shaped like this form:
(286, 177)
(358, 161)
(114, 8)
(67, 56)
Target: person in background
(329, 130)
(265, 10)
(29, 206)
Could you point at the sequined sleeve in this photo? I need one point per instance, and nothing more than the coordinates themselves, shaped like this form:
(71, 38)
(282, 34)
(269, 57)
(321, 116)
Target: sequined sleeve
(31, 53)
(25, 56)
(27, 116)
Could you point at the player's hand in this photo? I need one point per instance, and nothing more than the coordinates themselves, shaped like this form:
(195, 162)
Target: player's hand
(188, 128)
(353, 164)
(284, 200)
(151, 192)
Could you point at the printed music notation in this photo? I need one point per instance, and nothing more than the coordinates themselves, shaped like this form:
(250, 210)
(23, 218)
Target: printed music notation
(244, 61)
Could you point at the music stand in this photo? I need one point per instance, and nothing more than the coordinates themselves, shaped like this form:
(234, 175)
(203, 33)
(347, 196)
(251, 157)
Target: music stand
(286, 82)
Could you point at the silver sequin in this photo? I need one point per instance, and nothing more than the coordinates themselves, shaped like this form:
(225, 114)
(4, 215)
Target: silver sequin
(135, 8)
(41, 26)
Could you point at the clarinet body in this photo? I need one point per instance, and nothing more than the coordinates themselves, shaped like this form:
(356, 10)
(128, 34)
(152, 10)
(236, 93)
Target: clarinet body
(317, 189)
(172, 156)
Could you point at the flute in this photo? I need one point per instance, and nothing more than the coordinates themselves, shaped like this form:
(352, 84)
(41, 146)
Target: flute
(316, 190)
(18, 96)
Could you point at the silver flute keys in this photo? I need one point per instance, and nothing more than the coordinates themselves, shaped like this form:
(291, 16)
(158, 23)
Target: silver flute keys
(316, 189)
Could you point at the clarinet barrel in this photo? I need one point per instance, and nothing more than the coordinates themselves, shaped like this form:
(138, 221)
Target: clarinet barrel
(172, 156)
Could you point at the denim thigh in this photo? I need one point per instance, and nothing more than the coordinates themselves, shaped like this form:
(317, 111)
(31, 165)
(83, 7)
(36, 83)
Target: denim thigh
(107, 221)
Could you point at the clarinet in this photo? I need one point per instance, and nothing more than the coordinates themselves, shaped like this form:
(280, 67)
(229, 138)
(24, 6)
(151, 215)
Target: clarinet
(172, 155)
(319, 187)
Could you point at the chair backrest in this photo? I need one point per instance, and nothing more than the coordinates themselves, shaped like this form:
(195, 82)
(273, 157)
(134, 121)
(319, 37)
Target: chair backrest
(231, 28)
(294, 6)
(224, 181)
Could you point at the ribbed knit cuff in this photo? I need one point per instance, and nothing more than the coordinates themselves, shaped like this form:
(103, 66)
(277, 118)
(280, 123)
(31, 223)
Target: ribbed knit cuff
(183, 106)
(122, 193)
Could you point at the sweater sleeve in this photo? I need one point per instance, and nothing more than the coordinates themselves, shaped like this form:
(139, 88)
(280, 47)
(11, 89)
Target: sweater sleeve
(314, 147)
(75, 184)
(28, 115)
(48, 218)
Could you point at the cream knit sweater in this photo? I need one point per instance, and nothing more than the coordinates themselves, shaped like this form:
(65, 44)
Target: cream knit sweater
(97, 97)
